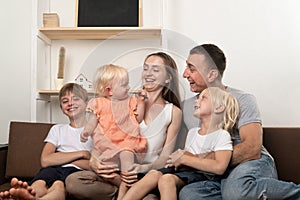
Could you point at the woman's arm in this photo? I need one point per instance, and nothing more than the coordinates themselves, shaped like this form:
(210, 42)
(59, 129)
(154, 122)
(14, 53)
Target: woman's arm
(170, 142)
(50, 157)
(172, 131)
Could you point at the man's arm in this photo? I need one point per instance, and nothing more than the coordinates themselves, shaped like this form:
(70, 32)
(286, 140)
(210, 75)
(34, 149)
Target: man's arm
(250, 146)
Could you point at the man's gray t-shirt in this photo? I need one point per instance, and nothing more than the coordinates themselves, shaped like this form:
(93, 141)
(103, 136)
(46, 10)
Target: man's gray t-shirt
(249, 113)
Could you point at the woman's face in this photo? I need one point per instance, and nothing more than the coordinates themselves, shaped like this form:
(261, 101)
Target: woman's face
(154, 75)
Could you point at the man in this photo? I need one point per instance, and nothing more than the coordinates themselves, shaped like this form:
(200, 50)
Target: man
(252, 173)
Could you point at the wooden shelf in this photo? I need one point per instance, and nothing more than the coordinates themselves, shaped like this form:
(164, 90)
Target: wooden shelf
(95, 33)
(56, 92)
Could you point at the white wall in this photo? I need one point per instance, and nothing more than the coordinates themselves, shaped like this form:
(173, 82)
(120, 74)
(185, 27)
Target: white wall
(261, 40)
(15, 63)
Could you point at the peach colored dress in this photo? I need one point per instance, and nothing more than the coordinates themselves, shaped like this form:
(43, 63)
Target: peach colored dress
(117, 128)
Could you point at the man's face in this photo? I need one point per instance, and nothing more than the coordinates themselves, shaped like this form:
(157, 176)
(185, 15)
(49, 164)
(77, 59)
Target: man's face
(196, 72)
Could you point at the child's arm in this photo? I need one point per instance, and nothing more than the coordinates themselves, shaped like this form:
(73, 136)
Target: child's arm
(140, 111)
(215, 166)
(89, 127)
(50, 157)
(82, 163)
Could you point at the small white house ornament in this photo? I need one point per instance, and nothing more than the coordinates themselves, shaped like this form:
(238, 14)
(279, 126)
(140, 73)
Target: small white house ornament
(84, 82)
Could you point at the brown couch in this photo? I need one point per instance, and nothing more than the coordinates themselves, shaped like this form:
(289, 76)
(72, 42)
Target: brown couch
(22, 156)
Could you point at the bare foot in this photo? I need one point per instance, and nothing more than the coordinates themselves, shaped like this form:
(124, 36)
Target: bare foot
(22, 193)
(19, 191)
(5, 195)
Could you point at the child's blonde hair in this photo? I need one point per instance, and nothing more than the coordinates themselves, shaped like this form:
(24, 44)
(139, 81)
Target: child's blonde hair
(105, 76)
(220, 97)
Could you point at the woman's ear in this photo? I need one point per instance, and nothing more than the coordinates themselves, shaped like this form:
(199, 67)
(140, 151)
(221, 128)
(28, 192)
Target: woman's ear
(219, 109)
(168, 80)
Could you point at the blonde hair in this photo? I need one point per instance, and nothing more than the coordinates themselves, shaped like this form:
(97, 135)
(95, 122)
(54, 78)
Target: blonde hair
(220, 97)
(105, 76)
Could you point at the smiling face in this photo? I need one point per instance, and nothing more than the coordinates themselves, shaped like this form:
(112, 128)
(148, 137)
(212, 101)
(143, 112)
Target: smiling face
(72, 105)
(203, 105)
(196, 72)
(154, 75)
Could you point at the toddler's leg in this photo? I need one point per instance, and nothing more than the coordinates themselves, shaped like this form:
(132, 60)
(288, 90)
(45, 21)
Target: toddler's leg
(126, 161)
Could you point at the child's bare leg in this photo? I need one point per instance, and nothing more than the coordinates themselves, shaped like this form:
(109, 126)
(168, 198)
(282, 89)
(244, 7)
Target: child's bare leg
(126, 160)
(57, 191)
(141, 188)
(168, 186)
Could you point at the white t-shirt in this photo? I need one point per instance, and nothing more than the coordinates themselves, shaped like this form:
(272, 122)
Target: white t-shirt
(67, 139)
(215, 141)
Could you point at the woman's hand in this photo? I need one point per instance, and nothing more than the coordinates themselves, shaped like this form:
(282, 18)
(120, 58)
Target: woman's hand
(103, 170)
(131, 176)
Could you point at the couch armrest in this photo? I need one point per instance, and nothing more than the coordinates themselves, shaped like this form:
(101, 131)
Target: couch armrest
(3, 156)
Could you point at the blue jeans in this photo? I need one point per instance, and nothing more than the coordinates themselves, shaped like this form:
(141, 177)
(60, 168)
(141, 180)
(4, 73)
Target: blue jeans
(256, 179)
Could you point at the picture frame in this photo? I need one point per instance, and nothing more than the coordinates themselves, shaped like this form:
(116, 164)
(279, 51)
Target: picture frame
(108, 13)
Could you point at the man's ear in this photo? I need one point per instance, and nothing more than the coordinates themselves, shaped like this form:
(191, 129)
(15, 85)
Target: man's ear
(219, 109)
(212, 75)
(108, 91)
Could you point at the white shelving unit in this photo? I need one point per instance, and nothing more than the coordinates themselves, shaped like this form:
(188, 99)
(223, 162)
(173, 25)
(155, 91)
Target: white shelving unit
(46, 41)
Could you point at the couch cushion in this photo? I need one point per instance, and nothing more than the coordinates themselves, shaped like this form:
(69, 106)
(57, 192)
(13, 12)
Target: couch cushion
(283, 145)
(26, 141)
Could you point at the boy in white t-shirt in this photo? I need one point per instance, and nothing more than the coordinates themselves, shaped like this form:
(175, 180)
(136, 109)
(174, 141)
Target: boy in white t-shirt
(62, 154)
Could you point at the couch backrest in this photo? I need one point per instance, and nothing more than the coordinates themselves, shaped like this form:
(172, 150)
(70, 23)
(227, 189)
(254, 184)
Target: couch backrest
(283, 145)
(26, 141)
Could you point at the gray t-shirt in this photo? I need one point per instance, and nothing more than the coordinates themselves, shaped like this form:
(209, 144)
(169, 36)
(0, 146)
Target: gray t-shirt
(249, 113)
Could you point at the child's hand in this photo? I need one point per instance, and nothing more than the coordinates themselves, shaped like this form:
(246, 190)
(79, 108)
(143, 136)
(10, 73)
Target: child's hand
(86, 155)
(84, 136)
(174, 158)
(139, 94)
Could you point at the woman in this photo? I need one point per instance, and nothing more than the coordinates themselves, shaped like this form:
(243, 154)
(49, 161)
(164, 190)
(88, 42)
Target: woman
(160, 126)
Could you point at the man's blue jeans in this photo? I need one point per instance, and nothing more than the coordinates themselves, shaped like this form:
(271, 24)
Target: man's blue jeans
(256, 179)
